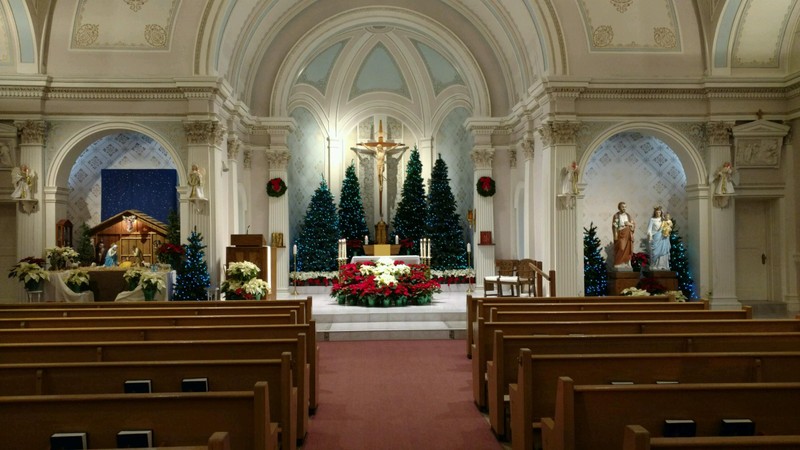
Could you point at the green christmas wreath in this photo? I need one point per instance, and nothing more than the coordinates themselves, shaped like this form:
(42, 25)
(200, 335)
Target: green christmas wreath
(276, 187)
(485, 186)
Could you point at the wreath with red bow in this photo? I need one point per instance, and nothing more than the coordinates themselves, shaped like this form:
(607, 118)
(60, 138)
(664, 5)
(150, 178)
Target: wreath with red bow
(276, 187)
(485, 186)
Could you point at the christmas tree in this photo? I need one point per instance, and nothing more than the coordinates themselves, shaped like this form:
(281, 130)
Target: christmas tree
(192, 278)
(448, 248)
(409, 219)
(595, 276)
(173, 228)
(679, 262)
(85, 248)
(352, 221)
(317, 246)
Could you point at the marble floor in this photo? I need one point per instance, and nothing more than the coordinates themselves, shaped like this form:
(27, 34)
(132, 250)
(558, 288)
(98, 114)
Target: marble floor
(444, 318)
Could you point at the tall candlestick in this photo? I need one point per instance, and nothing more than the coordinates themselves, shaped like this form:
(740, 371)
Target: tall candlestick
(366, 239)
(469, 248)
(396, 240)
(294, 249)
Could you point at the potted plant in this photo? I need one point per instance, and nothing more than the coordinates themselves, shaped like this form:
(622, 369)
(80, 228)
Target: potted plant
(29, 271)
(60, 258)
(132, 277)
(237, 275)
(77, 280)
(256, 287)
(151, 283)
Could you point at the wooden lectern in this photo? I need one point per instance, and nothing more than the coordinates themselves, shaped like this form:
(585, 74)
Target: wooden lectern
(253, 248)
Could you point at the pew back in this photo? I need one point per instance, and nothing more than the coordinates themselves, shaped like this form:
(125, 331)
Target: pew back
(245, 416)
(9, 313)
(638, 438)
(496, 315)
(289, 317)
(595, 416)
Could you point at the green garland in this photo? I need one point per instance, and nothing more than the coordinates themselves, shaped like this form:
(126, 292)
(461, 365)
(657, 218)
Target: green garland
(276, 187)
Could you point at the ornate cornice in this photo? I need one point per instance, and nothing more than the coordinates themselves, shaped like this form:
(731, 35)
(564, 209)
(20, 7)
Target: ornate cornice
(482, 157)
(115, 93)
(277, 158)
(719, 133)
(209, 132)
(233, 147)
(555, 133)
(32, 131)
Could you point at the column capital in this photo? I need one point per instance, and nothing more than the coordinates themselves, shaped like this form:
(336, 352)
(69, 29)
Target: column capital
(32, 131)
(527, 147)
(560, 132)
(719, 133)
(278, 158)
(233, 147)
(248, 158)
(200, 132)
(482, 157)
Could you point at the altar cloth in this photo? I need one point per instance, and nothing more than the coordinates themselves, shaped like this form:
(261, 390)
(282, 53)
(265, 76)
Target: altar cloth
(405, 259)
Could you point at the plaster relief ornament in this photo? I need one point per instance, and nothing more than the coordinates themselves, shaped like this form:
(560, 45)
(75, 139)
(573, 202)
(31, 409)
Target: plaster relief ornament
(22, 179)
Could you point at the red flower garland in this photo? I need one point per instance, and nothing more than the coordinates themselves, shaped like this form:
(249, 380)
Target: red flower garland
(485, 186)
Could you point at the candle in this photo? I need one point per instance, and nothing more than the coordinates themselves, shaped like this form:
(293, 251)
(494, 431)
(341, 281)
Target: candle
(366, 239)
(469, 248)
(294, 249)
(428, 250)
(396, 240)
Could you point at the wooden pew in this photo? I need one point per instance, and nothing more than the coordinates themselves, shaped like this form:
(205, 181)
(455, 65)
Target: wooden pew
(176, 333)
(176, 350)
(147, 321)
(595, 416)
(157, 311)
(537, 376)
(165, 376)
(483, 308)
(472, 303)
(176, 419)
(502, 369)
(638, 438)
(220, 440)
(496, 315)
(484, 337)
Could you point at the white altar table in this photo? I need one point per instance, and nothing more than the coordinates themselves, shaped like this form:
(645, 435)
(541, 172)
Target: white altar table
(405, 259)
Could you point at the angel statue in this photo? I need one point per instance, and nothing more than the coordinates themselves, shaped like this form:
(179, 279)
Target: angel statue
(569, 179)
(724, 181)
(196, 176)
(22, 178)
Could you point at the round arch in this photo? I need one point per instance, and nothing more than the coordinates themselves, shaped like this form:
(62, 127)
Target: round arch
(68, 153)
(690, 158)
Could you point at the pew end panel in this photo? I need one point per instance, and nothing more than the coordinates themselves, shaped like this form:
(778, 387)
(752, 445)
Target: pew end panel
(638, 438)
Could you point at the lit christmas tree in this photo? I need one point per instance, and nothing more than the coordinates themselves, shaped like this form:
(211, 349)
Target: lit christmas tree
(595, 275)
(679, 262)
(173, 228)
(192, 278)
(317, 246)
(409, 219)
(85, 248)
(352, 221)
(448, 248)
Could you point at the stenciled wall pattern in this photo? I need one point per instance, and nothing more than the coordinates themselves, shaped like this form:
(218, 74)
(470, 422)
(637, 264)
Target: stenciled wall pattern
(454, 143)
(125, 150)
(639, 170)
(306, 167)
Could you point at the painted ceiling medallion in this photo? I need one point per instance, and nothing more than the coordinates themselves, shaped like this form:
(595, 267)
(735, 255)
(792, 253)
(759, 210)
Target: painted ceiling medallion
(155, 35)
(664, 37)
(621, 5)
(87, 34)
(135, 5)
(603, 36)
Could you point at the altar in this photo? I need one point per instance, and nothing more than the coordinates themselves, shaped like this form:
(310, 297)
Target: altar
(405, 259)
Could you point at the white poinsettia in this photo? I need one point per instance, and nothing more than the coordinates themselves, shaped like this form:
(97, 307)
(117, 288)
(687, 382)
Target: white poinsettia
(151, 280)
(636, 292)
(244, 270)
(256, 286)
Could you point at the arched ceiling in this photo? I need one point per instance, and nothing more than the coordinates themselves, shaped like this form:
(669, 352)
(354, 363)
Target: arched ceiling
(513, 44)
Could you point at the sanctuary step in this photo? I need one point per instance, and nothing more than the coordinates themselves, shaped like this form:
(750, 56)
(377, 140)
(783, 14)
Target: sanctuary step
(444, 318)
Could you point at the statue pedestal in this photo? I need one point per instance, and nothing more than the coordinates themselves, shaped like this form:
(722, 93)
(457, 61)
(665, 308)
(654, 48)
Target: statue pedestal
(619, 280)
(666, 278)
(381, 230)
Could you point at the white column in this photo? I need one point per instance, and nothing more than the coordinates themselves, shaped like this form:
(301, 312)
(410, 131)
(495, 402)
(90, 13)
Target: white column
(233, 184)
(722, 236)
(482, 158)
(566, 245)
(278, 159)
(205, 140)
(427, 158)
(31, 226)
(528, 153)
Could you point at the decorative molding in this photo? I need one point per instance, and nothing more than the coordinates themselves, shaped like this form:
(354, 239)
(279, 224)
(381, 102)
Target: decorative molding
(587, 133)
(620, 5)
(278, 159)
(482, 158)
(32, 131)
(248, 158)
(512, 157)
(527, 147)
(559, 133)
(758, 151)
(719, 133)
(135, 5)
(696, 133)
(204, 132)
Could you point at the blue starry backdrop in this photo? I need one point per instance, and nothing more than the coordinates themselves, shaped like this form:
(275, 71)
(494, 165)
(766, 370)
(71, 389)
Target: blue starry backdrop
(151, 191)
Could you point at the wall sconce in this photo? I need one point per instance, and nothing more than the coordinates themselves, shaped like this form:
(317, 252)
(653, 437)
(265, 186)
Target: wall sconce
(471, 218)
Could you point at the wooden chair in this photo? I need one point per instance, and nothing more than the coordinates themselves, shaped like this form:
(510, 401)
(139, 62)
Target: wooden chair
(527, 274)
(505, 276)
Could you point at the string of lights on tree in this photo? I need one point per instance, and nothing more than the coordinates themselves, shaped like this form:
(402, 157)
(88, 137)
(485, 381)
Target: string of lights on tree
(192, 278)
(679, 263)
(595, 274)
(317, 245)
(352, 221)
(409, 220)
(443, 225)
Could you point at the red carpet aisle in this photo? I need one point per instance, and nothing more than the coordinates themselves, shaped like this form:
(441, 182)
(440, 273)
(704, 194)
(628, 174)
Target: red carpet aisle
(396, 395)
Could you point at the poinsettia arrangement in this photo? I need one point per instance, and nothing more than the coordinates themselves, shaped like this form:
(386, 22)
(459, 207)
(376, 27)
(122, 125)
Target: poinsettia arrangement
(384, 283)
(29, 271)
(77, 280)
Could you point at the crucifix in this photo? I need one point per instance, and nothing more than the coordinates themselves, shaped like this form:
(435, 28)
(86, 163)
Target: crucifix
(379, 150)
